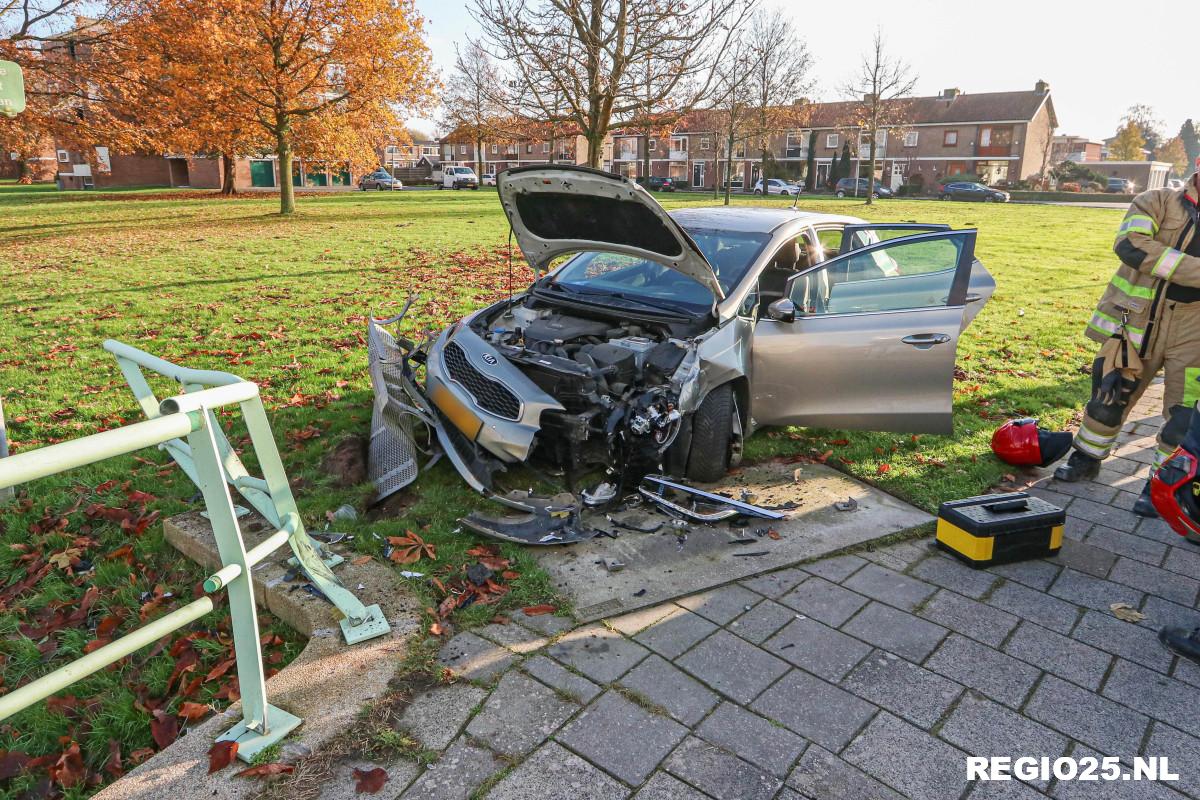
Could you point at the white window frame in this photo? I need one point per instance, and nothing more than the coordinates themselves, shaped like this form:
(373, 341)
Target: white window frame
(64, 157)
(653, 143)
(832, 141)
(495, 149)
(950, 138)
(528, 148)
(545, 147)
(705, 143)
(103, 161)
(679, 143)
(462, 149)
(911, 138)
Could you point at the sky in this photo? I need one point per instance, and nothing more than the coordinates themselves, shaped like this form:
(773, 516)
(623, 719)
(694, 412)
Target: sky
(1096, 65)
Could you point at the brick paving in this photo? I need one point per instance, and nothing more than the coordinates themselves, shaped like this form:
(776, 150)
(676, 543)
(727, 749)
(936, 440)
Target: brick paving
(872, 675)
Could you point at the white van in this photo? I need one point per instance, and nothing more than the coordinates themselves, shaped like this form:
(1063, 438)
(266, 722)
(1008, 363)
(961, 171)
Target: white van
(458, 178)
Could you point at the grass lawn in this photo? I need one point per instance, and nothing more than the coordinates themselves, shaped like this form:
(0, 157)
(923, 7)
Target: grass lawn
(228, 285)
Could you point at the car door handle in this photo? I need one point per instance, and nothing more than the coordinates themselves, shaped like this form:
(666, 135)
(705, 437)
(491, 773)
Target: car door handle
(924, 341)
(972, 297)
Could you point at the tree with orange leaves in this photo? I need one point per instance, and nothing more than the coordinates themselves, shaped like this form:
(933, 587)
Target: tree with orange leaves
(306, 76)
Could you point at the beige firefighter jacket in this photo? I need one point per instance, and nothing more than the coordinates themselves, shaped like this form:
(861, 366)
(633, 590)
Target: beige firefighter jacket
(1151, 244)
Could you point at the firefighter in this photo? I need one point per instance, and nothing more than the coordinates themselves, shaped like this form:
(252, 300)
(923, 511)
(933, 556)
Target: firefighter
(1148, 320)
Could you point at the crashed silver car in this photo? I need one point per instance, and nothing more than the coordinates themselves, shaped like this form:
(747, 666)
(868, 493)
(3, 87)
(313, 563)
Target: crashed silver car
(656, 342)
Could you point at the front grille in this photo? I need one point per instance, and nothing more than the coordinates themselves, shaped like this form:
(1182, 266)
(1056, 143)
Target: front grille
(490, 395)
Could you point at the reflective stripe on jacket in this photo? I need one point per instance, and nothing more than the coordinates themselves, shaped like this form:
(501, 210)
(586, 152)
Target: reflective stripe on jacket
(1150, 243)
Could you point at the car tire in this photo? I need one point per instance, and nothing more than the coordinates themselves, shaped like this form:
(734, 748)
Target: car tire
(840, 193)
(756, 191)
(944, 197)
(874, 195)
(712, 435)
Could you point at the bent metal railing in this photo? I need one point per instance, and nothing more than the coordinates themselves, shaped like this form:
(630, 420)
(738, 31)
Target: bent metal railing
(208, 459)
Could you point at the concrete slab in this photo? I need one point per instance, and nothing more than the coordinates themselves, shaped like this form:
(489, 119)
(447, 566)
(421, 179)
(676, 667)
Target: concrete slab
(658, 568)
(326, 686)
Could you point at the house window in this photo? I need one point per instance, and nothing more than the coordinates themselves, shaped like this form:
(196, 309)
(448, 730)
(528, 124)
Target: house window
(910, 139)
(949, 138)
(679, 143)
(495, 149)
(739, 150)
(102, 159)
(705, 144)
(831, 140)
(653, 143)
(528, 148)
(545, 147)
(462, 149)
(63, 156)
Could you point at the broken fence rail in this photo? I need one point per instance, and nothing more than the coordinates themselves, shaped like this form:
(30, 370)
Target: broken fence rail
(209, 460)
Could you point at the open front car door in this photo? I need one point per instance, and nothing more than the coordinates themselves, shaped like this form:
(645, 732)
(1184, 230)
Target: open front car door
(868, 338)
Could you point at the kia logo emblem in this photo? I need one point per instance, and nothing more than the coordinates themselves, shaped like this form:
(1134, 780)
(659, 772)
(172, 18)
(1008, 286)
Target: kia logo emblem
(490, 359)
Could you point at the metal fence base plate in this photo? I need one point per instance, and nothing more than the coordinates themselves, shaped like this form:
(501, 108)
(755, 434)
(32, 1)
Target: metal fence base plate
(375, 624)
(250, 743)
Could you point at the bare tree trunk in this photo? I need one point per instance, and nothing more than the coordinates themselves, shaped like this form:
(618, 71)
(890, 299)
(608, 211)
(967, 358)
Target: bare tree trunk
(228, 167)
(728, 164)
(552, 142)
(595, 148)
(283, 152)
(646, 157)
(871, 175)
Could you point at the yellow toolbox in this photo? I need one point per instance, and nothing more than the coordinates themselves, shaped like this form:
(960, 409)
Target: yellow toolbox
(1000, 528)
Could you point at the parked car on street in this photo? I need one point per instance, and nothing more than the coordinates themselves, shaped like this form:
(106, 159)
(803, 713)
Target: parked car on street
(662, 340)
(1120, 186)
(846, 188)
(379, 179)
(458, 178)
(657, 183)
(777, 186)
(488, 179)
(972, 193)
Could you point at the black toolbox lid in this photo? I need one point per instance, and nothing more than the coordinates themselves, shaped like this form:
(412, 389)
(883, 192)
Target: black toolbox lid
(993, 514)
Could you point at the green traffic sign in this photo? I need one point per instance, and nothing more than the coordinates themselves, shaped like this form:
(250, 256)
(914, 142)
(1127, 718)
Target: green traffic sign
(12, 89)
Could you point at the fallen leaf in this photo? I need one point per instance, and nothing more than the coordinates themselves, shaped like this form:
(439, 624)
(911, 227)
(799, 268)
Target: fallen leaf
(194, 711)
(220, 755)
(264, 770)
(436, 629)
(1126, 612)
(358, 562)
(774, 534)
(164, 728)
(883, 468)
(68, 770)
(409, 548)
(12, 764)
(369, 781)
(537, 611)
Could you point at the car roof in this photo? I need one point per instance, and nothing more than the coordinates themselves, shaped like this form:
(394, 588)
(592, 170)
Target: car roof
(752, 219)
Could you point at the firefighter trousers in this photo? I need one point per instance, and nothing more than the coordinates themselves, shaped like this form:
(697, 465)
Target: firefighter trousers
(1174, 348)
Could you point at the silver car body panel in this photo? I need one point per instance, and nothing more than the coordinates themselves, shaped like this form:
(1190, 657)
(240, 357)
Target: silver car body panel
(508, 439)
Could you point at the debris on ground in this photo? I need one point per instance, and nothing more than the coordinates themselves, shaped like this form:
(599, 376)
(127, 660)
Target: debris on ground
(850, 505)
(1126, 612)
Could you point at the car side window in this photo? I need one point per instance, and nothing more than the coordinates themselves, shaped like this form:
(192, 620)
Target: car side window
(902, 276)
(831, 242)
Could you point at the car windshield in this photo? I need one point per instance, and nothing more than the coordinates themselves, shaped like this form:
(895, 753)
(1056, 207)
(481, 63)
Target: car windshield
(729, 252)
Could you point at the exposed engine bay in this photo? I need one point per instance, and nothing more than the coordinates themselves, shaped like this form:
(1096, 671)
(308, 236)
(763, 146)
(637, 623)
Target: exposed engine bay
(615, 378)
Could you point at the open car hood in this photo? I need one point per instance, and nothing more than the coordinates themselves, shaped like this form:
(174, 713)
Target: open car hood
(560, 209)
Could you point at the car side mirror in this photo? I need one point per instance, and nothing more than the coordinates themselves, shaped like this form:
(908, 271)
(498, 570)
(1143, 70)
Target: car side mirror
(782, 310)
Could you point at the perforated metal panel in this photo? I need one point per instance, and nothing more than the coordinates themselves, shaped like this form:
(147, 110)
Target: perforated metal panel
(392, 452)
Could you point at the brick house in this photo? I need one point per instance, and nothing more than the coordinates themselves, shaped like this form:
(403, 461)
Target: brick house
(1000, 136)
(458, 149)
(1076, 148)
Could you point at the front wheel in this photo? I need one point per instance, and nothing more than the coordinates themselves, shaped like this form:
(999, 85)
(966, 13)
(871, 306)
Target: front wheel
(944, 197)
(989, 199)
(712, 436)
(840, 193)
(756, 191)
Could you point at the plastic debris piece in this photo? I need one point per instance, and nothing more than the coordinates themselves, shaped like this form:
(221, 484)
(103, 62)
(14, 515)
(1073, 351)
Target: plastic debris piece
(850, 505)
(613, 565)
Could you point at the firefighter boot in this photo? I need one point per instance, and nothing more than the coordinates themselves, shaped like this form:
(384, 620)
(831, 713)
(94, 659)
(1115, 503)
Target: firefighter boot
(1079, 467)
(1181, 641)
(1144, 507)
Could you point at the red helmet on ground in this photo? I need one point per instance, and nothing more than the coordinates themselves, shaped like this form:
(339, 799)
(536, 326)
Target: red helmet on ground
(1173, 490)
(1022, 443)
